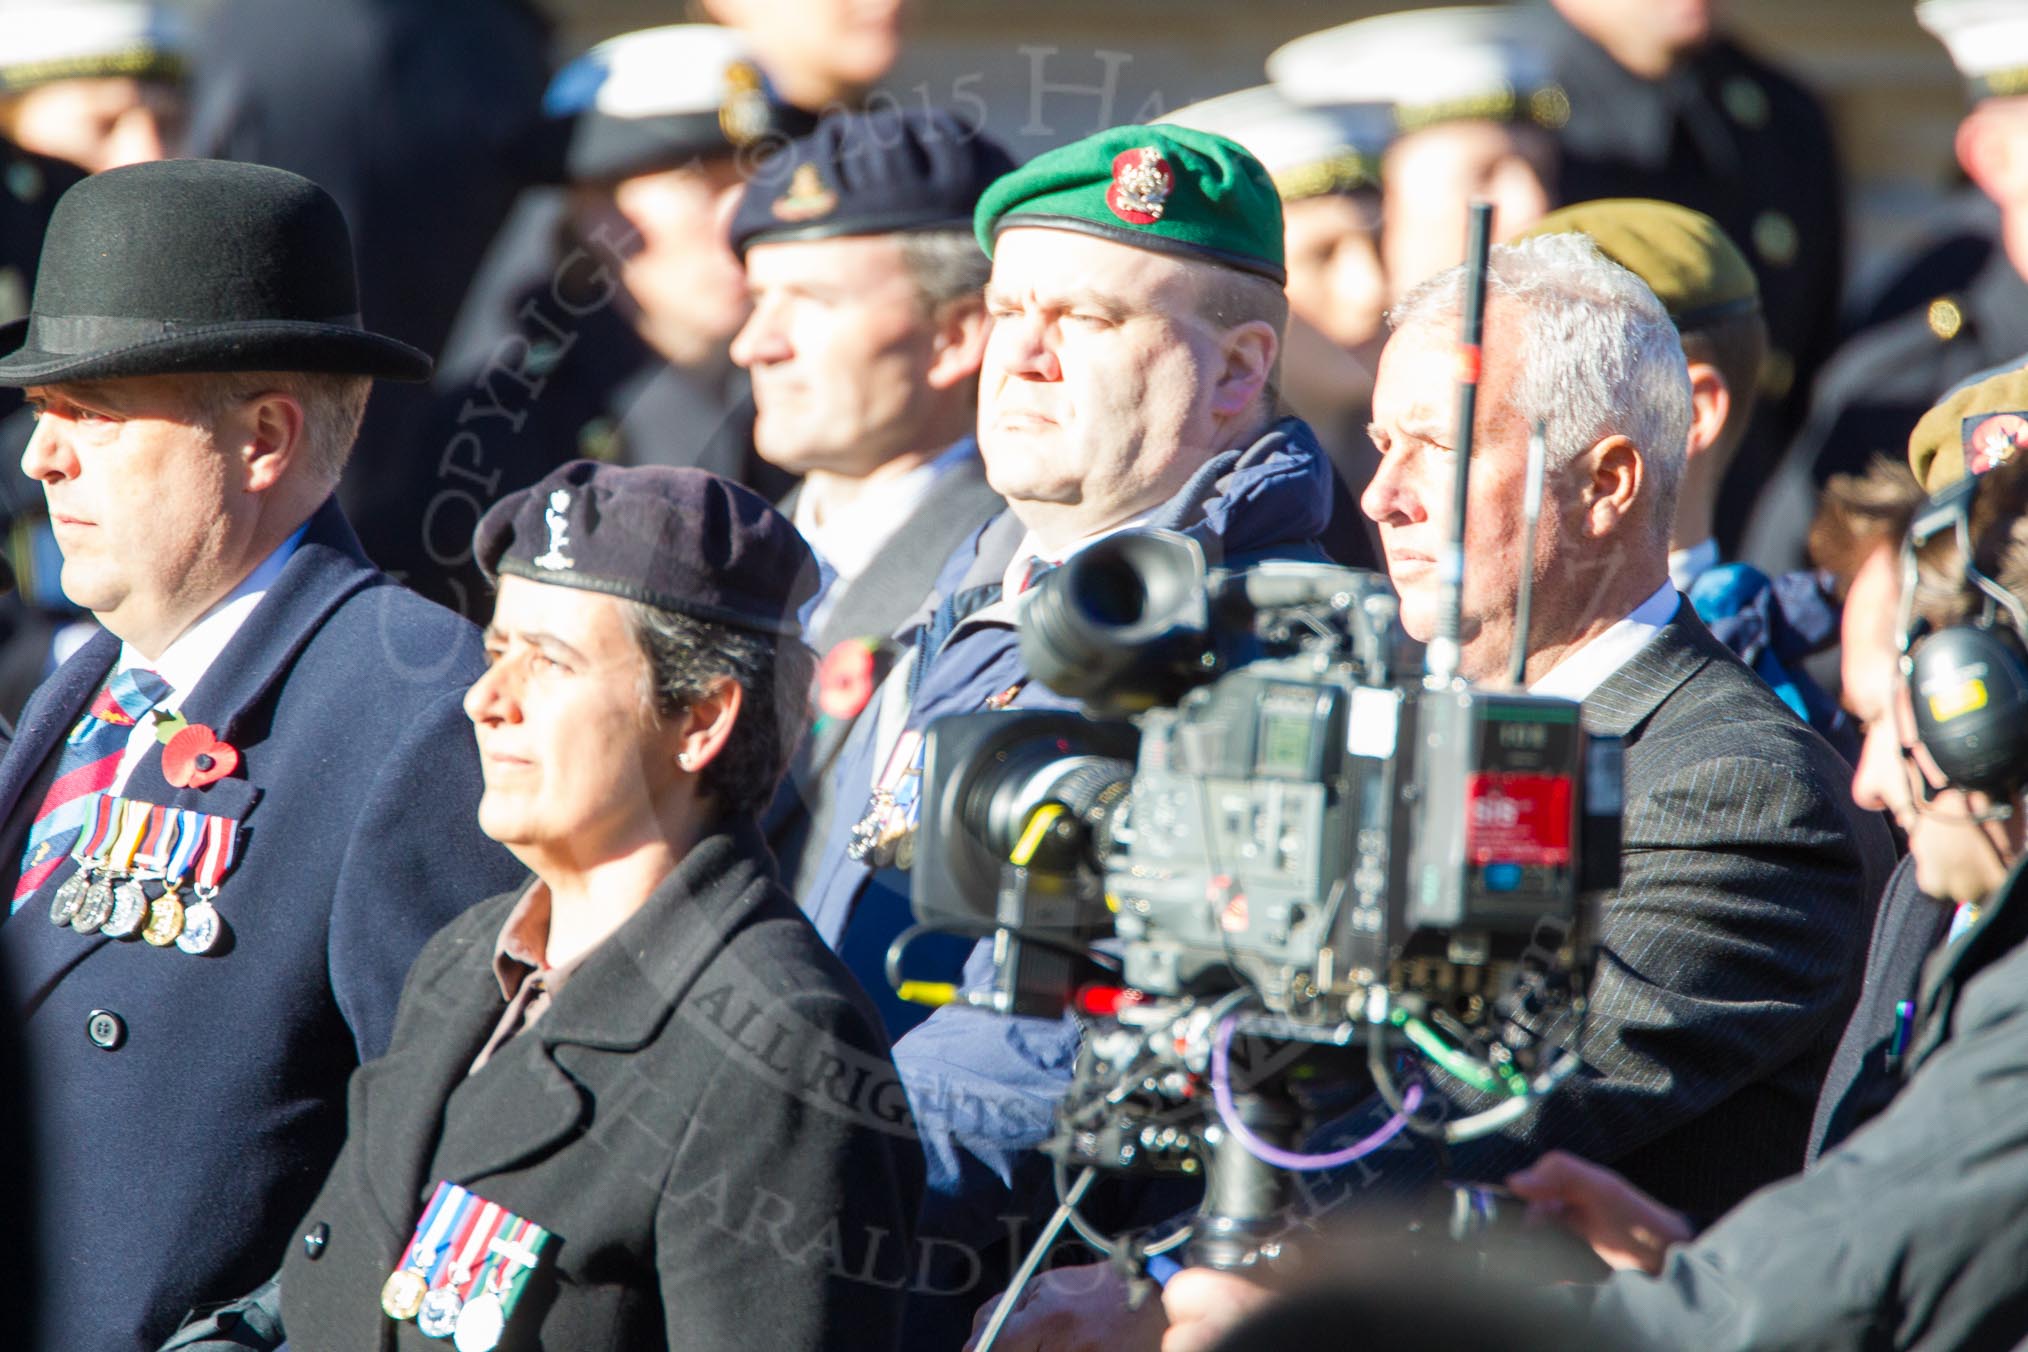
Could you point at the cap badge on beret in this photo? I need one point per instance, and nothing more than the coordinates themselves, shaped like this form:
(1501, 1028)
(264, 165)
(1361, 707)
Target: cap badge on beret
(1142, 182)
(1991, 439)
(556, 560)
(744, 114)
(807, 198)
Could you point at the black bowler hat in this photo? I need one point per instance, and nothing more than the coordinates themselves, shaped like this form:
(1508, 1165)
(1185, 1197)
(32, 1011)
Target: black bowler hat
(872, 173)
(677, 539)
(196, 266)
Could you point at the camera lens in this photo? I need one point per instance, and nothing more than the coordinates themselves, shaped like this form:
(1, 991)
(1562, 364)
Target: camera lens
(1111, 624)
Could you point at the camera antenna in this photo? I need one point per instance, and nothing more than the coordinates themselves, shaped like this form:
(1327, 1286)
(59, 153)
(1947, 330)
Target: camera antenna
(1443, 646)
(1531, 519)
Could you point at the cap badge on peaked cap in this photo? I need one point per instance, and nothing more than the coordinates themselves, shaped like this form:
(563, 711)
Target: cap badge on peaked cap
(807, 198)
(1142, 182)
(744, 114)
(1991, 439)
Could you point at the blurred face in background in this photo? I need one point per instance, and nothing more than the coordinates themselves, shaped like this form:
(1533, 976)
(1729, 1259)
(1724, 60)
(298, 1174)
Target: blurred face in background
(840, 347)
(1336, 283)
(678, 265)
(1432, 175)
(1646, 36)
(96, 124)
(817, 52)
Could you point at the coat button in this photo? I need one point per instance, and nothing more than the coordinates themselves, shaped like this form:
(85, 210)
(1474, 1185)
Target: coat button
(314, 1242)
(106, 1029)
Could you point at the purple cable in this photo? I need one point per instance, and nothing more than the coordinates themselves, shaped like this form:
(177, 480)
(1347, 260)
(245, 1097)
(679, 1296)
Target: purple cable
(1269, 1153)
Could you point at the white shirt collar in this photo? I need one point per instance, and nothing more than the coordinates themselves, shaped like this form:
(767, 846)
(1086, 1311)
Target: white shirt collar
(1583, 671)
(1687, 565)
(852, 538)
(185, 661)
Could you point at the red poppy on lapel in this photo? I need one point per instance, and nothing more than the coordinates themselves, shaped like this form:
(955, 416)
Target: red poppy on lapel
(196, 757)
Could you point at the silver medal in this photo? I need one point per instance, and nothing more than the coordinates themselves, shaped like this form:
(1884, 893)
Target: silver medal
(480, 1324)
(130, 910)
(201, 927)
(95, 908)
(439, 1314)
(67, 897)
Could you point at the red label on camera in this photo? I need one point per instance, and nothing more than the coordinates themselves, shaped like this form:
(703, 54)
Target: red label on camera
(1519, 819)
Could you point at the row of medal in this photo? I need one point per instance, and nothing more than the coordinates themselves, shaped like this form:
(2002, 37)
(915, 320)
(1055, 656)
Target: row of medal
(464, 1269)
(130, 844)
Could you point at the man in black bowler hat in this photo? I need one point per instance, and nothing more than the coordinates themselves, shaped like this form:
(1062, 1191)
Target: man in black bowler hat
(262, 763)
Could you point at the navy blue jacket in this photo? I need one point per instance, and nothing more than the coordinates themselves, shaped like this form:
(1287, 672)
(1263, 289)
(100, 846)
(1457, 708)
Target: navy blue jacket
(983, 1087)
(173, 1167)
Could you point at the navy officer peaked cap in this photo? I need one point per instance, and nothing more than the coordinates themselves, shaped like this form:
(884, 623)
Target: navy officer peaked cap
(681, 540)
(871, 173)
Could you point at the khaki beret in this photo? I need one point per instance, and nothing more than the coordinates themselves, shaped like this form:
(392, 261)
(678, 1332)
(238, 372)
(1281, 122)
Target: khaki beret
(1684, 256)
(1974, 428)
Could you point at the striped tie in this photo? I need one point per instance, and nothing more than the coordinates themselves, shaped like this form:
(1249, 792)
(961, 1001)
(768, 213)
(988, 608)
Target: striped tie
(91, 758)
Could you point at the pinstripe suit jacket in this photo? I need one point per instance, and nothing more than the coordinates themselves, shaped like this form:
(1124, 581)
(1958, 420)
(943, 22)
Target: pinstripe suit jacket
(1732, 951)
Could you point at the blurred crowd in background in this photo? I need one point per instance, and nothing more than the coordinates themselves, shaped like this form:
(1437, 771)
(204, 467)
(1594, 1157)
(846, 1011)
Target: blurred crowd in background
(548, 223)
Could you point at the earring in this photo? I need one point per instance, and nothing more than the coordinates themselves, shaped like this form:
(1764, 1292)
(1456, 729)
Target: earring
(684, 760)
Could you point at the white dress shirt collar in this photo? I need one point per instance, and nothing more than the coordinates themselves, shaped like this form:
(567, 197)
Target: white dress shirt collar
(854, 537)
(1583, 671)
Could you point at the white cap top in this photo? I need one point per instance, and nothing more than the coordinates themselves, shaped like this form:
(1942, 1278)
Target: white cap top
(85, 39)
(671, 71)
(1987, 40)
(1431, 65)
(1306, 150)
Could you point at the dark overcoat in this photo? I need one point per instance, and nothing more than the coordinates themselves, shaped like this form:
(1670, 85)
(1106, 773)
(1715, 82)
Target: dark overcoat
(706, 1118)
(1912, 1234)
(174, 1159)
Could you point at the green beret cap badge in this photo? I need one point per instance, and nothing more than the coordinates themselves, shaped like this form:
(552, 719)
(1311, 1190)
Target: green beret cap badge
(1142, 182)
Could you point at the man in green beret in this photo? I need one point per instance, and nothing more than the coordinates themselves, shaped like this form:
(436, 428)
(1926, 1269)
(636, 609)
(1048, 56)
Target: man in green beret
(1138, 304)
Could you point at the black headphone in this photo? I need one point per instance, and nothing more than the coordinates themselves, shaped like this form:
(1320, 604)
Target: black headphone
(1968, 682)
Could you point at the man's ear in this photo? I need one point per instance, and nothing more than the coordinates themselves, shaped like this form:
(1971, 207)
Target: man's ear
(1249, 350)
(268, 437)
(1617, 473)
(706, 726)
(958, 346)
(1710, 406)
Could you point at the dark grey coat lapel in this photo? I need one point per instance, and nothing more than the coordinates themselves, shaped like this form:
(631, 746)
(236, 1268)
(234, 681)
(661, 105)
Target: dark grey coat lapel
(900, 576)
(1629, 697)
(531, 1097)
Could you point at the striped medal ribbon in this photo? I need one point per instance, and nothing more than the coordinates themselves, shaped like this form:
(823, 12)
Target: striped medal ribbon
(89, 851)
(438, 1317)
(138, 821)
(510, 1260)
(401, 1296)
(202, 925)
